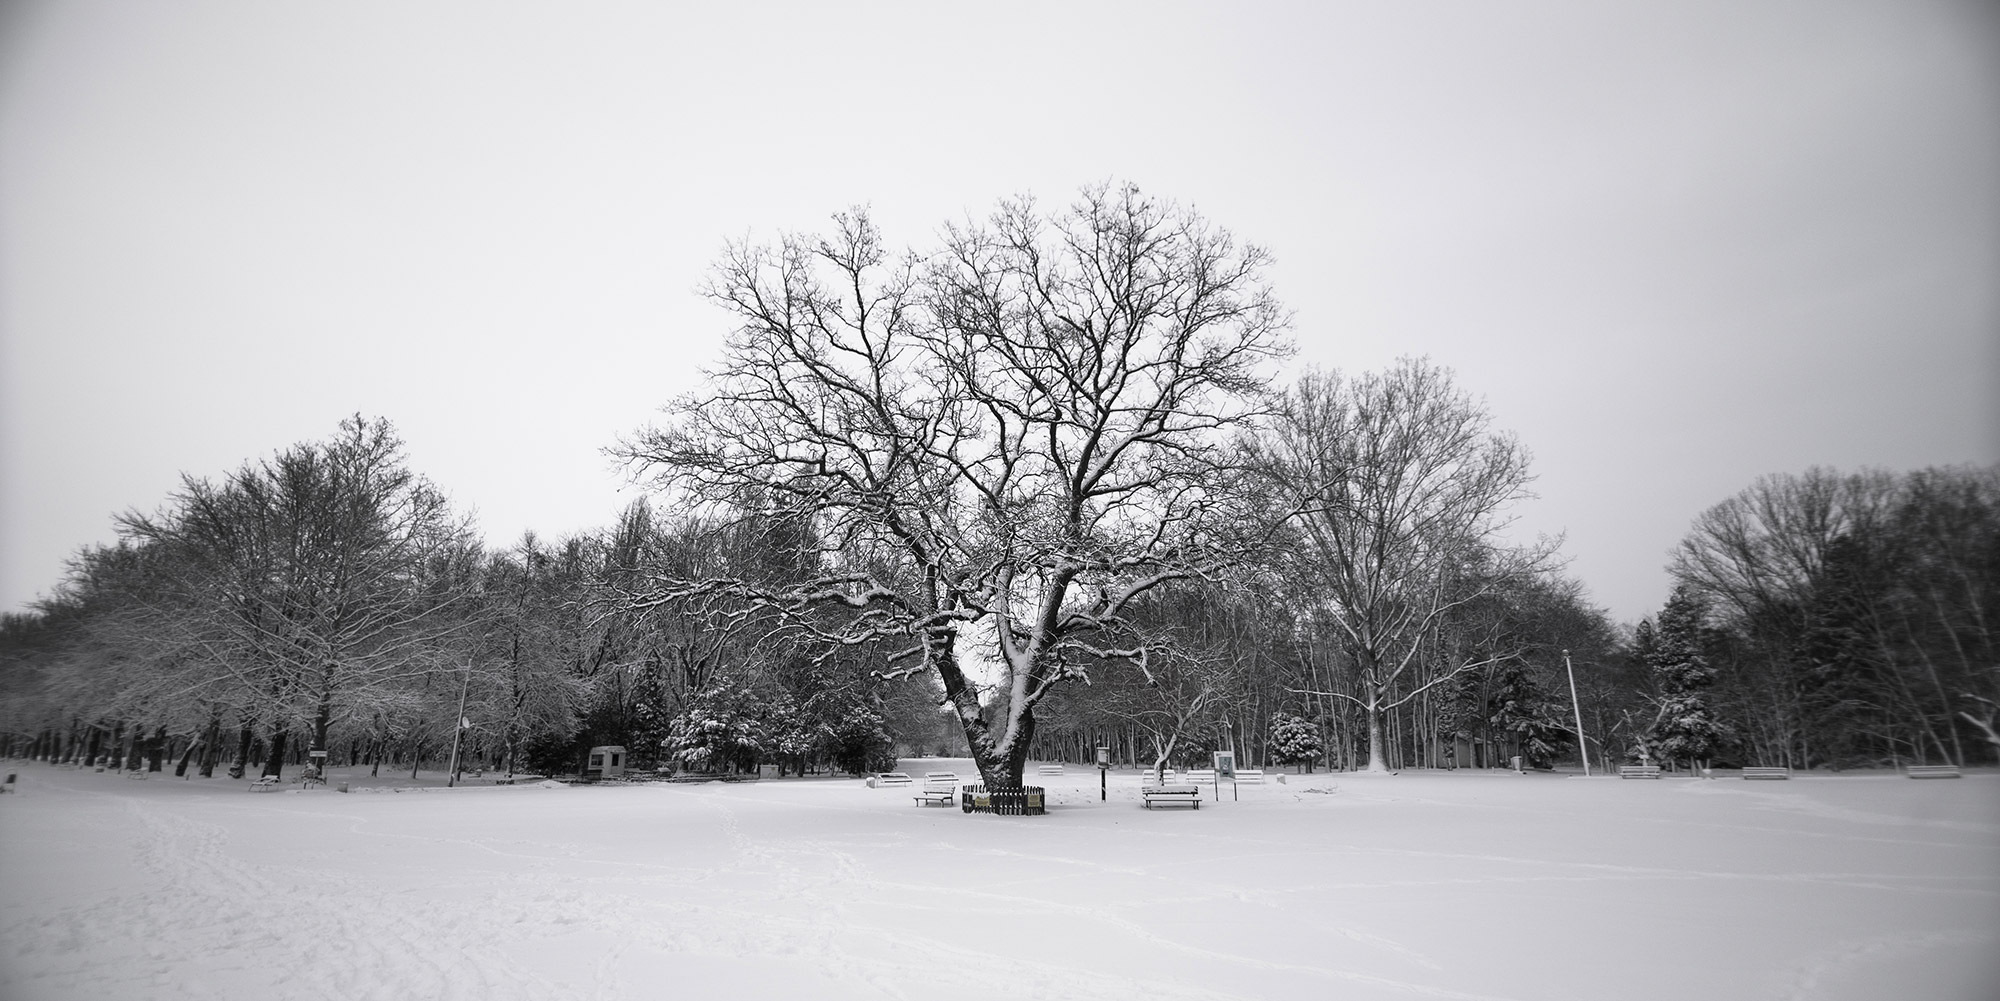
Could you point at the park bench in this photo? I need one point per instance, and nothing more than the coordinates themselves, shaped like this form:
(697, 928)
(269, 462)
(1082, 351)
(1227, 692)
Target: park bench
(267, 783)
(1049, 769)
(1165, 777)
(1638, 771)
(1932, 771)
(1250, 776)
(1191, 795)
(886, 779)
(1763, 772)
(940, 789)
(1201, 776)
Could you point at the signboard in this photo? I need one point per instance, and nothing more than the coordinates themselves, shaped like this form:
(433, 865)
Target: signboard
(316, 755)
(1104, 757)
(1225, 765)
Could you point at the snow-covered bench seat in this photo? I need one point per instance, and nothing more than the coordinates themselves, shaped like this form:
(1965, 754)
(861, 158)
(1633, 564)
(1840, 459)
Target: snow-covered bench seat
(267, 783)
(1932, 771)
(1049, 769)
(1201, 776)
(1638, 771)
(1191, 795)
(1764, 772)
(1250, 776)
(888, 779)
(940, 789)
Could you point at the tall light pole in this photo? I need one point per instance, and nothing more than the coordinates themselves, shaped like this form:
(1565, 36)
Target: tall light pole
(458, 729)
(1581, 747)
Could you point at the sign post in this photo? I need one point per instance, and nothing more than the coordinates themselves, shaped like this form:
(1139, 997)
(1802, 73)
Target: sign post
(1225, 767)
(1103, 767)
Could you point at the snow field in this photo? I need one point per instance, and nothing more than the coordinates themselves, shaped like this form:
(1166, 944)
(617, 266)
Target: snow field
(1459, 885)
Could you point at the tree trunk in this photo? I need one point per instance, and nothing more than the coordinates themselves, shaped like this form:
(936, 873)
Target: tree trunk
(211, 745)
(156, 750)
(241, 763)
(1376, 762)
(322, 721)
(274, 762)
(999, 768)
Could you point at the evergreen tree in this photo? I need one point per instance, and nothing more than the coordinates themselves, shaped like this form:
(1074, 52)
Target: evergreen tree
(1293, 739)
(1684, 728)
(1525, 710)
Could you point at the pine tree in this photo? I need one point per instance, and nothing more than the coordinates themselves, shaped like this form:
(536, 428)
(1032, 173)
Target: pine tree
(1525, 710)
(1684, 729)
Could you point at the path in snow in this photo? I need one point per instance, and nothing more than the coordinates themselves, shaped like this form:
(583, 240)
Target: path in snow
(1467, 885)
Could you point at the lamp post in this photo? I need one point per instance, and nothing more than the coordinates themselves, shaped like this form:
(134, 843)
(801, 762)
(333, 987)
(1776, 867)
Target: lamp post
(1581, 747)
(458, 730)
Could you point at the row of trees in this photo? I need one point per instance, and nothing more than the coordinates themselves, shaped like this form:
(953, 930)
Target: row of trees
(1829, 619)
(327, 597)
(1030, 491)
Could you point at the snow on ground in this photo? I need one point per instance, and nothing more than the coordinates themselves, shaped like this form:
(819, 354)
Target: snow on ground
(1457, 885)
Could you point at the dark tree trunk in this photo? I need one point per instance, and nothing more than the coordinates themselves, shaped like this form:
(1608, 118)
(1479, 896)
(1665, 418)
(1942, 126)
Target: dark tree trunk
(322, 721)
(241, 763)
(274, 762)
(211, 748)
(181, 768)
(156, 750)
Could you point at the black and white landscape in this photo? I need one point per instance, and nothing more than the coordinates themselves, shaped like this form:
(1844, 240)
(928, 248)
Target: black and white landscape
(500, 500)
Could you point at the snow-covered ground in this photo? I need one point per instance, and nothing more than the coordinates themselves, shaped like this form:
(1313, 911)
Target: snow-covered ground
(1420, 885)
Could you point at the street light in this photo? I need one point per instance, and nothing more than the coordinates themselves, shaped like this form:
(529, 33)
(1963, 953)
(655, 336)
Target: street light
(1581, 747)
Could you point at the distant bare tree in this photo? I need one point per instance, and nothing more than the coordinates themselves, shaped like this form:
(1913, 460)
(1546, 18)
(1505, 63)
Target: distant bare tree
(1025, 427)
(1406, 483)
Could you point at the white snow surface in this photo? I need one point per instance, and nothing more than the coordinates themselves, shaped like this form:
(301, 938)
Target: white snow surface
(1453, 885)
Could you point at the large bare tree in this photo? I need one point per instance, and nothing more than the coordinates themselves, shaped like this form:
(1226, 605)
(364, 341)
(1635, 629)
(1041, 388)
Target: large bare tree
(319, 579)
(1407, 483)
(1018, 433)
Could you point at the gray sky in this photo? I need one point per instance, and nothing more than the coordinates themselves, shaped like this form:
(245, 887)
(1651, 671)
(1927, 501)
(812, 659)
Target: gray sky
(1675, 246)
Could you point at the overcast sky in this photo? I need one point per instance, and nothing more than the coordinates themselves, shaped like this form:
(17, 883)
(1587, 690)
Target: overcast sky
(1675, 246)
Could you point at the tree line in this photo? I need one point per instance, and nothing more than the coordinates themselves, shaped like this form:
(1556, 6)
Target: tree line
(1038, 488)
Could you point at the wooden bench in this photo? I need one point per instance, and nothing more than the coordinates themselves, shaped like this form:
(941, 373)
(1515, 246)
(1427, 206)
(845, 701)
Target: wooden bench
(1049, 769)
(1191, 795)
(1932, 771)
(1165, 777)
(267, 783)
(940, 789)
(1250, 776)
(1201, 776)
(1763, 772)
(1638, 771)
(886, 779)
